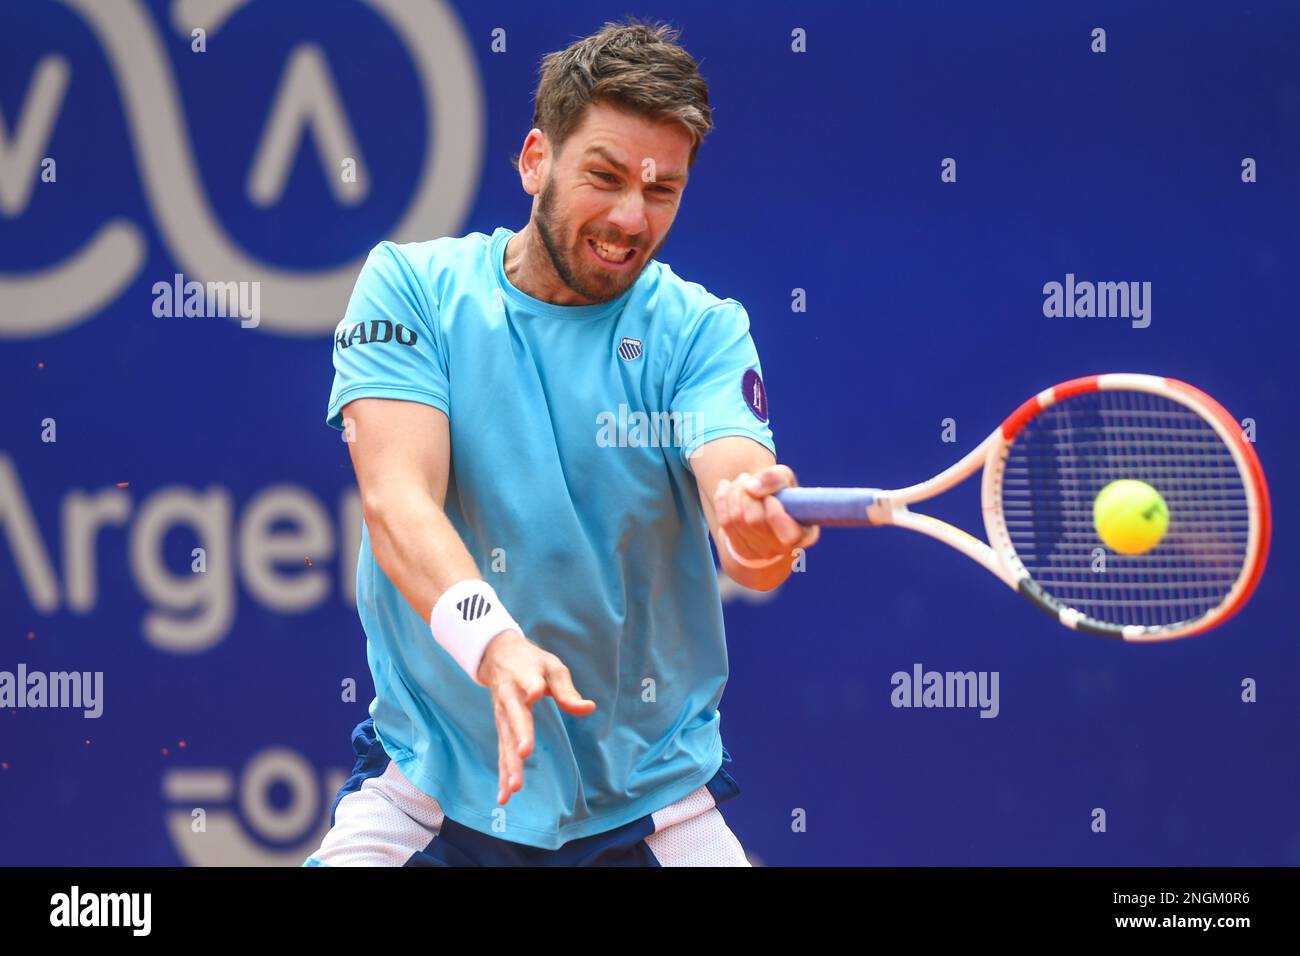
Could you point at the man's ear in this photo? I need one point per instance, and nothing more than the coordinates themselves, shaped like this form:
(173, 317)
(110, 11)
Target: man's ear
(533, 160)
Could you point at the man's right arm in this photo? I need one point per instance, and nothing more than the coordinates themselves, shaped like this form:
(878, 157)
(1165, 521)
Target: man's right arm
(401, 453)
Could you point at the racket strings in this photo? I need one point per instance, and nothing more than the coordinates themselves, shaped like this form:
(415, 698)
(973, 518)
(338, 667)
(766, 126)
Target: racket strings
(1069, 452)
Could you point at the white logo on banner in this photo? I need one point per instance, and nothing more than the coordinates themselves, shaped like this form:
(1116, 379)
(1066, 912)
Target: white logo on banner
(208, 834)
(279, 545)
(294, 302)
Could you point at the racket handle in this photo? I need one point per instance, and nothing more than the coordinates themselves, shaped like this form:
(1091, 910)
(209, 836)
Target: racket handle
(828, 506)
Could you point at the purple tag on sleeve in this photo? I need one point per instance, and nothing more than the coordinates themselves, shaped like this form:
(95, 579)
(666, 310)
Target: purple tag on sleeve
(755, 395)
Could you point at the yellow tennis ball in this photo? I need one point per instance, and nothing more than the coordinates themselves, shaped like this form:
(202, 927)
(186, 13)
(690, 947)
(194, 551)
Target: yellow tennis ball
(1130, 516)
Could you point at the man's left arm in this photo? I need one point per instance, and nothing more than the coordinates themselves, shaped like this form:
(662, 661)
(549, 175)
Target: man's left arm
(738, 479)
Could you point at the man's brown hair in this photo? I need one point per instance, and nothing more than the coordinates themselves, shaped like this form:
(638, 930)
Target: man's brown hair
(635, 66)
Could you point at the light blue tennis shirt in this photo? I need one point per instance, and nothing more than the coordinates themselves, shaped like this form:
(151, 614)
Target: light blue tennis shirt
(571, 434)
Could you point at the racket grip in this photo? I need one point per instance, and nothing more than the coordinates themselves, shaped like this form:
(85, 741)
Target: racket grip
(828, 506)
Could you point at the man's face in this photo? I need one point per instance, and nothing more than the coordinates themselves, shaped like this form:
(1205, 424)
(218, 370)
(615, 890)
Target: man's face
(610, 198)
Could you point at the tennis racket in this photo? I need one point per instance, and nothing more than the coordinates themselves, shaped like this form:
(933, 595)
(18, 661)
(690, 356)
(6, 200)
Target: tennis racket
(1044, 467)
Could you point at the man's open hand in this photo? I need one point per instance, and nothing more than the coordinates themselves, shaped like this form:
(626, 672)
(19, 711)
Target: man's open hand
(518, 673)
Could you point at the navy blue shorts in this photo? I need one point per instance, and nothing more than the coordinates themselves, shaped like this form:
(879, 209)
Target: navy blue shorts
(380, 818)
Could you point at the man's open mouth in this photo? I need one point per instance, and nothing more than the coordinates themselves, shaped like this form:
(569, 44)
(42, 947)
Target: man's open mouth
(611, 253)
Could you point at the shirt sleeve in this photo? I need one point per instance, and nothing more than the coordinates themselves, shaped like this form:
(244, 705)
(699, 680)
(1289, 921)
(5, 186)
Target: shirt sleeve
(387, 345)
(720, 382)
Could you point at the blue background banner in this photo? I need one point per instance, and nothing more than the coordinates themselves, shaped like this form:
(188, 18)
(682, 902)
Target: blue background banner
(129, 157)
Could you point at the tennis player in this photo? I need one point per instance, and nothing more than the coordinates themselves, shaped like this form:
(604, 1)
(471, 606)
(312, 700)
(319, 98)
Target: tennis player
(546, 426)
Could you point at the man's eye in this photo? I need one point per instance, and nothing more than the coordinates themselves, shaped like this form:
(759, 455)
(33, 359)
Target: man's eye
(606, 177)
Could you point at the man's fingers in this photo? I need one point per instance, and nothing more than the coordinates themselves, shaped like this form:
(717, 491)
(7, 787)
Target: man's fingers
(770, 480)
(512, 699)
(533, 686)
(722, 502)
(521, 726)
(502, 792)
(754, 518)
(752, 533)
(506, 746)
(566, 695)
(787, 530)
(810, 536)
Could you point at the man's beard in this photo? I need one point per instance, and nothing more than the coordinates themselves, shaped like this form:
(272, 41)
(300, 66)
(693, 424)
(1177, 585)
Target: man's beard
(590, 282)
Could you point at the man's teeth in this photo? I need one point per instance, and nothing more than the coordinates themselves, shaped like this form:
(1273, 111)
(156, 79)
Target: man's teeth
(610, 253)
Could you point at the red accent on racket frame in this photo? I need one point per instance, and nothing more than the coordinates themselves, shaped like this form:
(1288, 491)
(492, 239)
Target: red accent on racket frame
(1075, 386)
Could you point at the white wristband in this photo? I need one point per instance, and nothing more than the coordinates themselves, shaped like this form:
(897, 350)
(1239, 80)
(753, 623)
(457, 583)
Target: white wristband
(466, 618)
(747, 562)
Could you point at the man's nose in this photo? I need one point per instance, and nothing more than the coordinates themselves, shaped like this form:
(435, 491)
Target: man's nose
(629, 213)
